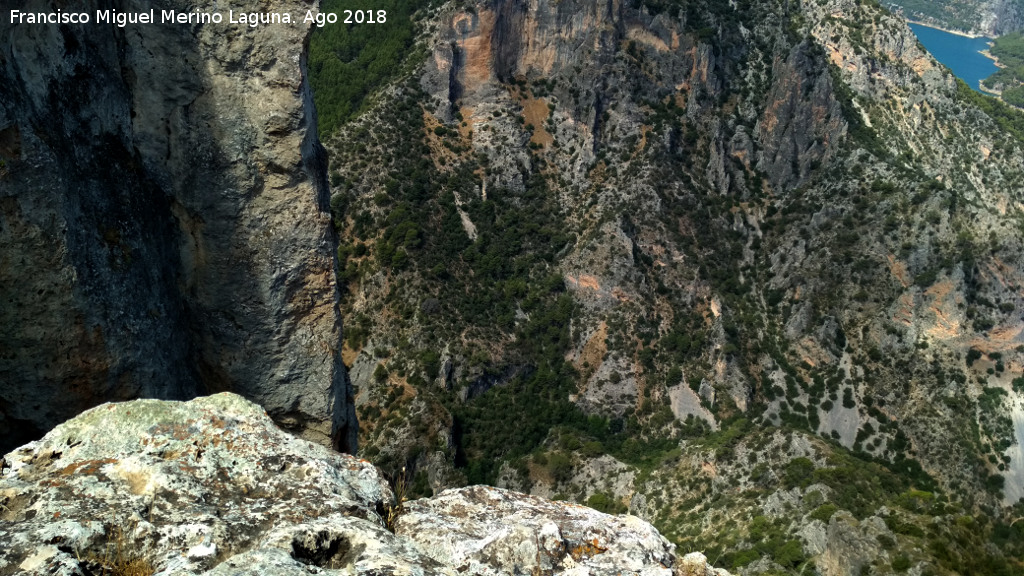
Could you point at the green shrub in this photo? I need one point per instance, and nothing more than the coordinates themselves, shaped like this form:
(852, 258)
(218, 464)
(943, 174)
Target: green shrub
(798, 472)
(901, 563)
(824, 512)
(744, 557)
(559, 466)
(848, 401)
(606, 503)
(431, 363)
(790, 554)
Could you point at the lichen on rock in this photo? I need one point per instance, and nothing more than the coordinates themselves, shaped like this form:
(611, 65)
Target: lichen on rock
(212, 486)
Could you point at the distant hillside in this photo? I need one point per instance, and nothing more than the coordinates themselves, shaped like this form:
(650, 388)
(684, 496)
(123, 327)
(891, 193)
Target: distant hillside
(1009, 80)
(986, 17)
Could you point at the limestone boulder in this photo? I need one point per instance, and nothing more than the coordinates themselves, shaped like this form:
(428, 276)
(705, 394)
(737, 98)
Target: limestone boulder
(213, 486)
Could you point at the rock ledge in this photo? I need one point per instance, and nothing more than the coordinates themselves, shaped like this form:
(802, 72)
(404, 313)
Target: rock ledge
(212, 486)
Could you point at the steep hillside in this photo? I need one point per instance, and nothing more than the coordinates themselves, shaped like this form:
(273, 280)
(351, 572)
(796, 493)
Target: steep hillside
(759, 258)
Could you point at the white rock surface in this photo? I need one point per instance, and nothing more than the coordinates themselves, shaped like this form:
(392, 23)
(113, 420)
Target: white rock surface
(489, 531)
(212, 486)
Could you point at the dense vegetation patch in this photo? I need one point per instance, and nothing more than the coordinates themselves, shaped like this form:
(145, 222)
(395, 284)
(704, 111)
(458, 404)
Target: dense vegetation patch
(952, 14)
(1010, 51)
(923, 524)
(1005, 116)
(348, 62)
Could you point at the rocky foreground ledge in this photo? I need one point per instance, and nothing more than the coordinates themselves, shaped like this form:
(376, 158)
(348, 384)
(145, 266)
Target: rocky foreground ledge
(212, 486)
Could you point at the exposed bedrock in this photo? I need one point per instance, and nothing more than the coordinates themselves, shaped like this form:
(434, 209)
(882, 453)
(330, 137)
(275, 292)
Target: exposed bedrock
(164, 228)
(213, 487)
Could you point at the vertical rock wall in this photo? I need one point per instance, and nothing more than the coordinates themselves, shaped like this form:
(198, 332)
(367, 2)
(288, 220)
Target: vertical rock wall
(164, 228)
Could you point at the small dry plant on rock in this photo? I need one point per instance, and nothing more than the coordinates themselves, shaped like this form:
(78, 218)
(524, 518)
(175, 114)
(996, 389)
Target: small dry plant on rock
(400, 486)
(118, 557)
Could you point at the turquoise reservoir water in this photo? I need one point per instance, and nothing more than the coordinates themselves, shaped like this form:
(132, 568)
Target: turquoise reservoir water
(960, 54)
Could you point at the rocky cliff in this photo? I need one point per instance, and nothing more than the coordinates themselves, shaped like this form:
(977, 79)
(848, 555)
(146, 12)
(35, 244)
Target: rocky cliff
(213, 487)
(1003, 17)
(164, 228)
(751, 270)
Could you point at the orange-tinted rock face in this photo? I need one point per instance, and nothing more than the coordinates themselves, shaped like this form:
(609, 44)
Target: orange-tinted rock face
(802, 123)
(779, 208)
(482, 54)
(477, 31)
(501, 41)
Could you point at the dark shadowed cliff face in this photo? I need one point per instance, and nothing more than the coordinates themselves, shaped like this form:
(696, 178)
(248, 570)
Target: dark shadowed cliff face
(163, 225)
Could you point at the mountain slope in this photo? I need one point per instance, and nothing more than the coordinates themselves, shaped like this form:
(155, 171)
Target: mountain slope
(652, 255)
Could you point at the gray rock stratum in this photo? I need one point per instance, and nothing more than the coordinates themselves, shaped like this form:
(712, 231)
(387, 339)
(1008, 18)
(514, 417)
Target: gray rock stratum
(164, 226)
(212, 486)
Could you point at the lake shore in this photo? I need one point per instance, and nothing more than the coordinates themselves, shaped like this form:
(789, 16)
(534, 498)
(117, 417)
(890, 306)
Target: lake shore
(988, 54)
(967, 56)
(947, 30)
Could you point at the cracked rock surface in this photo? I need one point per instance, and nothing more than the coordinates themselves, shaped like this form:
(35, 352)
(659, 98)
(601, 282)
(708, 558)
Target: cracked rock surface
(212, 486)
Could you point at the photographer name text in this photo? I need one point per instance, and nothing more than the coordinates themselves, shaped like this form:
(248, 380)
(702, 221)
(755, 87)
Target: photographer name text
(231, 17)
